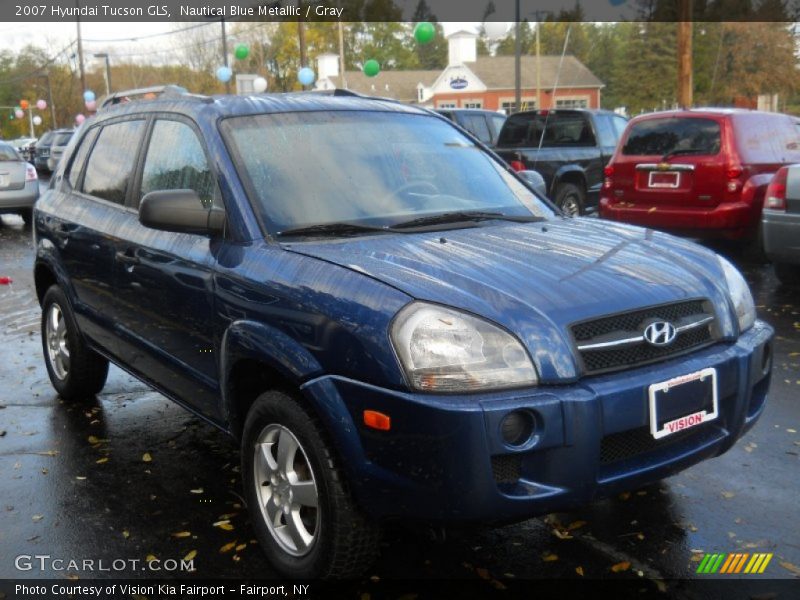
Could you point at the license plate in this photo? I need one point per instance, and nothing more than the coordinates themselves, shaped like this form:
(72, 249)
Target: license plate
(683, 402)
(663, 179)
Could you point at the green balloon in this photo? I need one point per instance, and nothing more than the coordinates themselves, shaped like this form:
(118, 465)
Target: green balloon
(242, 51)
(371, 68)
(424, 32)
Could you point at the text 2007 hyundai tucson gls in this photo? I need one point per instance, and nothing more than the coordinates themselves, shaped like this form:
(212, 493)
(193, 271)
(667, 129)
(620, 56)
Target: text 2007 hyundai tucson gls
(398, 327)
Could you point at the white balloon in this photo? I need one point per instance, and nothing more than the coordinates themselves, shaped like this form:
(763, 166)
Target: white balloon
(259, 85)
(37, 120)
(495, 30)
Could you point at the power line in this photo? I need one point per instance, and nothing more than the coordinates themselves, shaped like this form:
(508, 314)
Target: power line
(150, 35)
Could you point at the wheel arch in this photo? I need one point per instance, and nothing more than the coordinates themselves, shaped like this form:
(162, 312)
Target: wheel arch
(568, 174)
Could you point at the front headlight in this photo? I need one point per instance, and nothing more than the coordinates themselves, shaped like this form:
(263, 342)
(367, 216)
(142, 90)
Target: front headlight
(444, 350)
(740, 295)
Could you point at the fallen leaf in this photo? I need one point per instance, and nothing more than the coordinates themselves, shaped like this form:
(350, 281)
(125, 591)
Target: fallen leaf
(146, 457)
(550, 557)
(227, 547)
(100, 461)
(562, 535)
(621, 566)
(237, 558)
(640, 536)
(791, 431)
(37, 518)
(728, 495)
(93, 440)
(482, 573)
(80, 477)
(197, 491)
(190, 555)
(150, 558)
(47, 453)
(579, 571)
(653, 209)
(790, 567)
(241, 547)
(126, 534)
(182, 534)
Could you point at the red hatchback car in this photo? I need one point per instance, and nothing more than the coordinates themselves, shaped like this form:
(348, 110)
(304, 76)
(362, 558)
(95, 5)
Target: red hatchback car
(700, 172)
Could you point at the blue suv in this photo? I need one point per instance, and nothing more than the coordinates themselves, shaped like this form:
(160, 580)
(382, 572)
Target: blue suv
(388, 319)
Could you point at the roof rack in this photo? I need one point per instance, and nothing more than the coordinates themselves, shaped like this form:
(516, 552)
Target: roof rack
(151, 93)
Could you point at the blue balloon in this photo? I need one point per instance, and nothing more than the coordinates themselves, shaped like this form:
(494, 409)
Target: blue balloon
(306, 76)
(88, 96)
(224, 74)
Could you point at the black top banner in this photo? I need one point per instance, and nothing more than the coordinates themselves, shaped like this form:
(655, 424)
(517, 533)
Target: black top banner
(398, 10)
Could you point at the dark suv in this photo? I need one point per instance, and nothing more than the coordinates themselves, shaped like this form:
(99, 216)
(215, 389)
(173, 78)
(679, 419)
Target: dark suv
(568, 147)
(391, 323)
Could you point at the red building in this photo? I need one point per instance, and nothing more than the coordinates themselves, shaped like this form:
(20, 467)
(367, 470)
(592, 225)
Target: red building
(472, 81)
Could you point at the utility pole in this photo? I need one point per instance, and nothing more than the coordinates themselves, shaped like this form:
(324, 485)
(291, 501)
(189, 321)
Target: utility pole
(225, 54)
(105, 56)
(301, 38)
(539, 67)
(685, 53)
(46, 77)
(517, 62)
(341, 54)
(80, 49)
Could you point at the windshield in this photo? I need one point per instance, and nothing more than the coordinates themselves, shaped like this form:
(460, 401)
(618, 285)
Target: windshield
(62, 139)
(367, 167)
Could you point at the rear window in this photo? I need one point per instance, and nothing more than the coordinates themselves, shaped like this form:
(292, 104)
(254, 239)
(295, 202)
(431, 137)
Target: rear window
(658, 137)
(552, 130)
(767, 138)
(8, 153)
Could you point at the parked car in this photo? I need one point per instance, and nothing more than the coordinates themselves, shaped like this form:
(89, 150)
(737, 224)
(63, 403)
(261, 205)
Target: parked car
(699, 172)
(404, 330)
(41, 151)
(568, 147)
(57, 146)
(780, 223)
(19, 184)
(483, 124)
(24, 146)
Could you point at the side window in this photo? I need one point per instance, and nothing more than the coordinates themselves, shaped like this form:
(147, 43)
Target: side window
(620, 123)
(176, 161)
(110, 166)
(477, 126)
(79, 157)
(605, 130)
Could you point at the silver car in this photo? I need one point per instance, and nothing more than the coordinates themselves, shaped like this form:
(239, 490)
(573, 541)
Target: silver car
(57, 147)
(19, 184)
(780, 223)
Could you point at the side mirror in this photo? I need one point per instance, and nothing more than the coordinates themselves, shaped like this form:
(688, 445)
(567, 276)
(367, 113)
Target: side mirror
(535, 180)
(180, 211)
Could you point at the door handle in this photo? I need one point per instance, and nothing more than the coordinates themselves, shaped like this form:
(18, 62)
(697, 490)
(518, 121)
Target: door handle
(126, 258)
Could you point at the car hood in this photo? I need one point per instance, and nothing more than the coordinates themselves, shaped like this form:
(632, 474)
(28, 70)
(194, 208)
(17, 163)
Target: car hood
(536, 279)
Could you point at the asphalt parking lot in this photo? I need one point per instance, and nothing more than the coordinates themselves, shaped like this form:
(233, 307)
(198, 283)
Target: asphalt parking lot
(130, 475)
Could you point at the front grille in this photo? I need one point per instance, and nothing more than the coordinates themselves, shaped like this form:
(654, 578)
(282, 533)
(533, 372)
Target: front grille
(506, 468)
(628, 444)
(631, 324)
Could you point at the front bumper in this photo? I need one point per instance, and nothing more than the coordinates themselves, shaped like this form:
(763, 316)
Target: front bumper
(781, 236)
(444, 458)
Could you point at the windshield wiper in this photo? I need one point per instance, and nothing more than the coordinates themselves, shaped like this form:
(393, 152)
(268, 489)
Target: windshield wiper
(342, 228)
(669, 155)
(463, 216)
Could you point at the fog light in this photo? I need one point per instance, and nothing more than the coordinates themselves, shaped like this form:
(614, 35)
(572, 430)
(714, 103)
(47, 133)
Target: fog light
(517, 427)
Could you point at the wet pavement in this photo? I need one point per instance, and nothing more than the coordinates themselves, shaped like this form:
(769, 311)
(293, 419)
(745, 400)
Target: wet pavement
(129, 475)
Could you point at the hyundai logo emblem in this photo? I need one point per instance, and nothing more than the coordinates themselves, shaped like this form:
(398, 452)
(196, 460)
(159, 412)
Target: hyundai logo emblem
(660, 333)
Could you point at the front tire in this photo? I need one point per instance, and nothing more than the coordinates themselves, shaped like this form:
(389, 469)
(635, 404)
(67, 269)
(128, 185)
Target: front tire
(76, 371)
(302, 512)
(571, 199)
